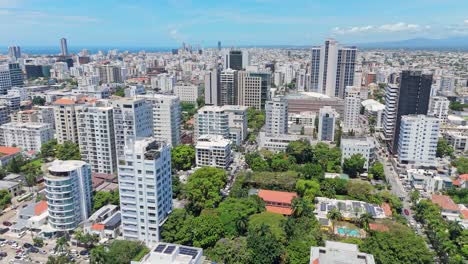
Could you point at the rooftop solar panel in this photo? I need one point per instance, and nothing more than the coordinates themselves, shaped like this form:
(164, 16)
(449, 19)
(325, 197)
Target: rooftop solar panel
(188, 251)
(160, 248)
(169, 249)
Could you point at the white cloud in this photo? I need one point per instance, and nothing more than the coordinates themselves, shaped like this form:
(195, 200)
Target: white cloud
(397, 27)
(466, 22)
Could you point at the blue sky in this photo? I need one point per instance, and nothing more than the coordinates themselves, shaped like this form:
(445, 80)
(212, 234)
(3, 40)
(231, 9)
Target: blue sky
(167, 23)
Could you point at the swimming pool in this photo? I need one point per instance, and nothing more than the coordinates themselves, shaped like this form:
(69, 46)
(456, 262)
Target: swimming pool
(348, 232)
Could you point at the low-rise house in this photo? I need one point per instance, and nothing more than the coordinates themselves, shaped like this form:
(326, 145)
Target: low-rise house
(449, 209)
(105, 222)
(7, 154)
(350, 209)
(33, 216)
(14, 188)
(277, 202)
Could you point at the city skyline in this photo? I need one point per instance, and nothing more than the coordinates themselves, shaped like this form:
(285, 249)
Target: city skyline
(240, 23)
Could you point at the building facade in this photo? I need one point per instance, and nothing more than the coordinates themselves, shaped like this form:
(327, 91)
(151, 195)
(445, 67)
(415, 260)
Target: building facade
(277, 116)
(363, 146)
(213, 151)
(66, 128)
(28, 136)
(352, 109)
(327, 120)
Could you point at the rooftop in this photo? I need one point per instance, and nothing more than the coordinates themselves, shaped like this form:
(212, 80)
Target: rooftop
(9, 150)
(444, 202)
(65, 101)
(339, 253)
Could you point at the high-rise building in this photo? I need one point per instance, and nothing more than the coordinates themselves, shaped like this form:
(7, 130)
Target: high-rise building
(132, 119)
(188, 93)
(145, 187)
(211, 120)
(16, 74)
(96, 137)
(364, 146)
(63, 47)
(66, 127)
(166, 117)
(28, 136)
(413, 99)
(228, 87)
(219, 45)
(439, 107)
(277, 116)
(235, 60)
(332, 68)
(5, 79)
(213, 151)
(253, 89)
(212, 88)
(237, 116)
(14, 53)
(69, 193)
(352, 108)
(110, 73)
(390, 111)
(327, 120)
(418, 138)
(33, 71)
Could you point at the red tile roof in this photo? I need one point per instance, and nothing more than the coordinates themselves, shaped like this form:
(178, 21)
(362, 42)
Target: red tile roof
(445, 202)
(97, 227)
(279, 210)
(463, 177)
(40, 208)
(64, 101)
(9, 150)
(276, 196)
(456, 182)
(387, 209)
(378, 227)
(464, 212)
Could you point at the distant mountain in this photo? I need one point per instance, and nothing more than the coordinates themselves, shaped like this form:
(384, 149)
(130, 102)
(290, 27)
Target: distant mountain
(454, 43)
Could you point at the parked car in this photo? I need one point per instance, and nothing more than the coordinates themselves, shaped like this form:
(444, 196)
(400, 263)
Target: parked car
(3, 254)
(6, 223)
(84, 252)
(406, 211)
(4, 230)
(27, 245)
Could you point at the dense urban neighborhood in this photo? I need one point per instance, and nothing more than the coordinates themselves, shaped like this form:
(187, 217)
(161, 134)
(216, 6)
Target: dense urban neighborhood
(329, 154)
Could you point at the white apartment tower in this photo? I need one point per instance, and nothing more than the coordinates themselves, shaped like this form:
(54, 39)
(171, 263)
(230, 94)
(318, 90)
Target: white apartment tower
(97, 137)
(166, 117)
(5, 79)
(187, 92)
(332, 68)
(327, 120)
(132, 119)
(418, 139)
(69, 193)
(352, 108)
(28, 136)
(228, 87)
(211, 120)
(66, 128)
(439, 107)
(277, 116)
(145, 186)
(237, 116)
(213, 151)
(363, 146)
(390, 113)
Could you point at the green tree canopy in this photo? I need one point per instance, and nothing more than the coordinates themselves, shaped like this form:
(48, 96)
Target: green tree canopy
(49, 149)
(377, 170)
(354, 165)
(68, 151)
(311, 171)
(183, 157)
(177, 228)
(235, 212)
(462, 165)
(308, 189)
(274, 221)
(263, 245)
(444, 149)
(301, 150)
(230, 251)
(119, 252)
(207, 229)
(203, 188)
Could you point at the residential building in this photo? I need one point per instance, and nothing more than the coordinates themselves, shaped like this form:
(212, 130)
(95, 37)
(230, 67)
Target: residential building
(327, 122)
(375, 111)
(132, 119)
(16, 74)
(14, 53)
(188, 93)
(439, 107)
(96, 137)
(449, 209)
(69, 193)
(105, 222)
(66, 127)
(364, 146)
(352, 109)
(236, 60)
(166, 117)
(145, 186)
(277, 116)
(213, 151)
(391, 110)
(228, 87)
(164, 253)
(418, 139)
(4, 114)
(457, 139)
(277, 143)
(237, 122)
(5, 79)
(413, 99)
(211, 120)
(253, 89)
(13, 102)
(7, 154)
(14, 188)
(28, 136)
(338, 252)
(304, 118)
(212, 88)
(332, 68)
(277, 202)
(110, 73)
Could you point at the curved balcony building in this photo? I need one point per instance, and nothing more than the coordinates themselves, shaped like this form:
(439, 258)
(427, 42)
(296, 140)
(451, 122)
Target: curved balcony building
(68, 193)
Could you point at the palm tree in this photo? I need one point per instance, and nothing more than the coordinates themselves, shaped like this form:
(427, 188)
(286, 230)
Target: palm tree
(301, 207)
(61, 245)
(334, 215)
(455, 229)
(241, 225)
(98, 255)
(364, 220)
